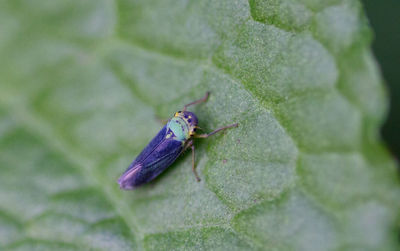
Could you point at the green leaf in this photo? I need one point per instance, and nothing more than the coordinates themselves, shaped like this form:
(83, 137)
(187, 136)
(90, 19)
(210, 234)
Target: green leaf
(81, 85)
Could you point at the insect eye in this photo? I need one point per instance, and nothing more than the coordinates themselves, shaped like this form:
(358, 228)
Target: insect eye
(185, 116)
(189, 120)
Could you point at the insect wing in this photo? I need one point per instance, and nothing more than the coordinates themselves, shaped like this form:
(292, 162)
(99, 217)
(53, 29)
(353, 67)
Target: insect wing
(157, 140)
(150, 166)
(165, 154)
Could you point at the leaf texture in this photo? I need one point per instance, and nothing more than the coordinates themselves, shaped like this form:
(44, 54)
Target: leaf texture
(81, 85)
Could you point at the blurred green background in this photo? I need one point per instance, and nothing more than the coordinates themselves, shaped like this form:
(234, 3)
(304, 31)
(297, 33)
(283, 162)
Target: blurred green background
(81, 85)
(385, 21)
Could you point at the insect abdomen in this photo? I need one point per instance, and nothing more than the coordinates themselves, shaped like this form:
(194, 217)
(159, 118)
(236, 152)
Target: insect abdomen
(155, 158)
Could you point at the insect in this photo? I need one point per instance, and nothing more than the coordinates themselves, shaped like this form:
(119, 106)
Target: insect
(170, 142)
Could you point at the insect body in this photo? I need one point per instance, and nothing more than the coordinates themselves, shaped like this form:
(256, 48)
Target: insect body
(170, 142)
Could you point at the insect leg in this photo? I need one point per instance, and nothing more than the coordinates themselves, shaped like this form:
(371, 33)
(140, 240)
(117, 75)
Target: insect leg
(161, 120)
(190, 144)
(203, 99)
(194, 166)
(214, 132)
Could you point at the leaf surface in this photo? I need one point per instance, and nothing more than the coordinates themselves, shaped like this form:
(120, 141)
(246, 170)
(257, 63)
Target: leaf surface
(81, 86)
